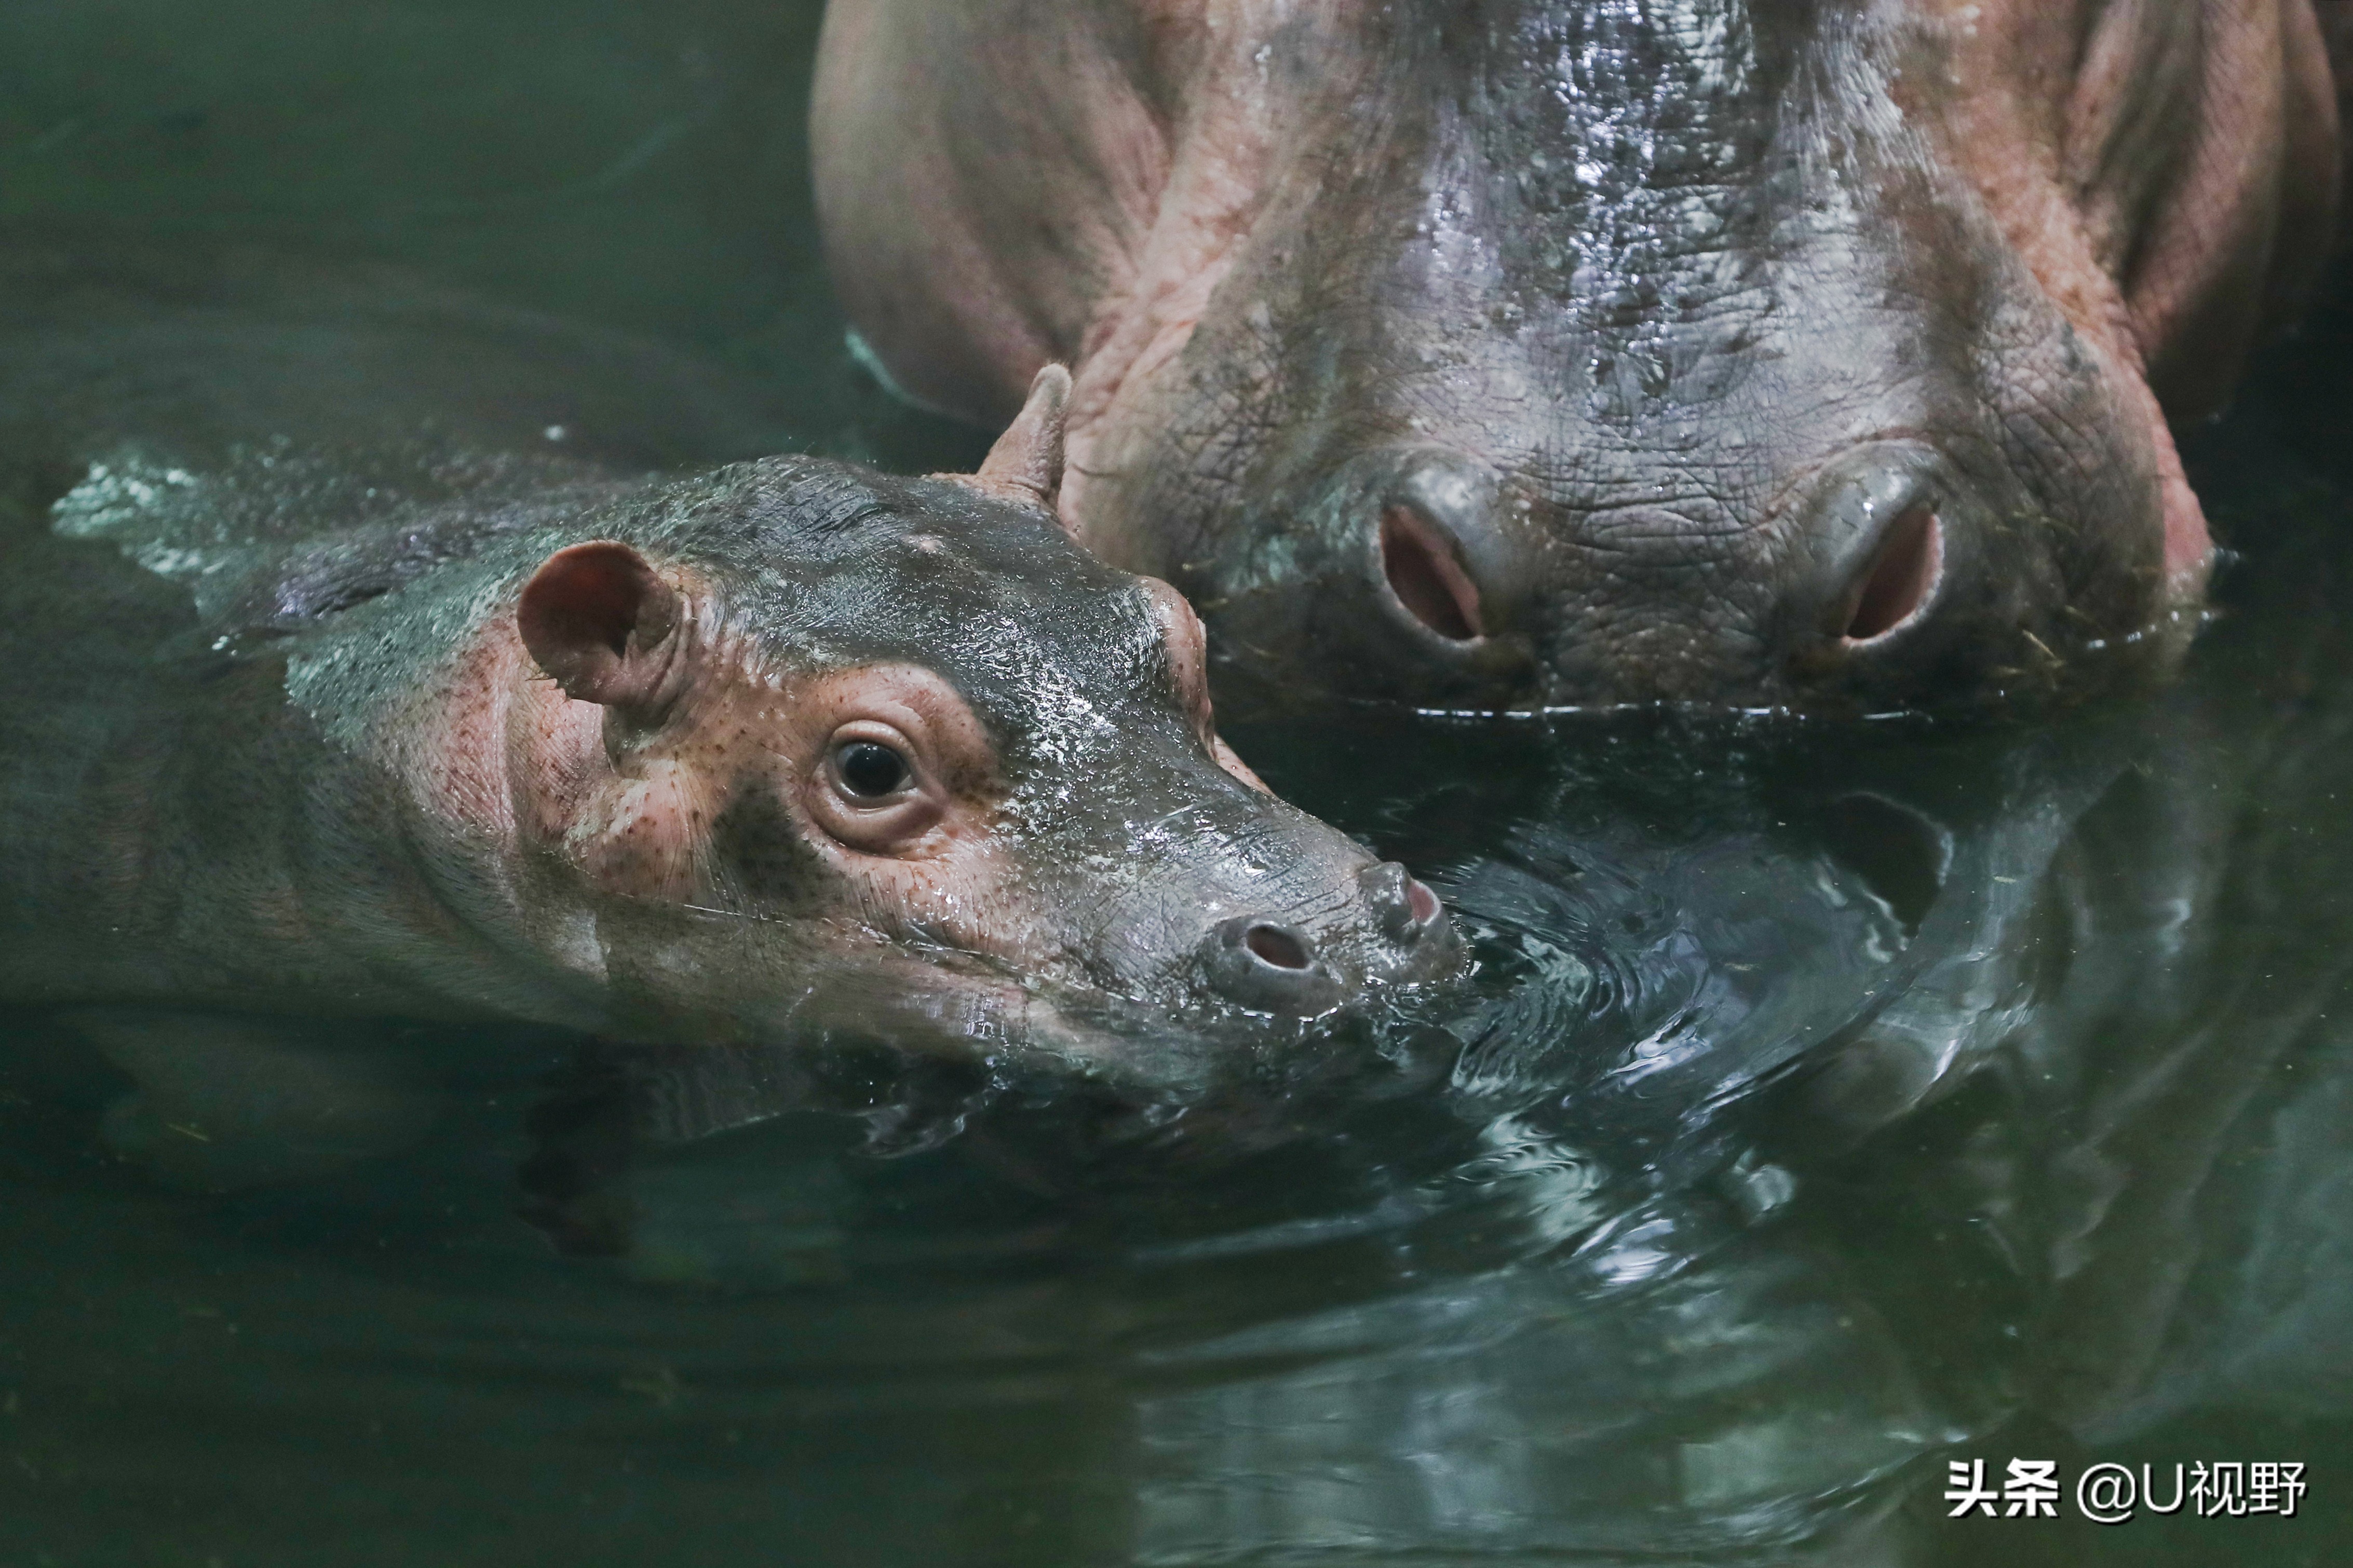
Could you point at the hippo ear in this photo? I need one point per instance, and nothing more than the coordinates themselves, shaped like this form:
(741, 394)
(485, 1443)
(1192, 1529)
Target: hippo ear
(1025, 466)
(593, 616)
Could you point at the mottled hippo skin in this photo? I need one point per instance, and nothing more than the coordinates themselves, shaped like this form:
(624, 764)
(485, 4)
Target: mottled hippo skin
(1526, 351)
(357, 694)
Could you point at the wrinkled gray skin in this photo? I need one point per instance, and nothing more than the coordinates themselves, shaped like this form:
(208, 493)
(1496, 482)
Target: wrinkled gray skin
(1524, 351)
(274, 742)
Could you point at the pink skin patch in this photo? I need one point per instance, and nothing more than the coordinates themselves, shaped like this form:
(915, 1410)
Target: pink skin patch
(2188, 270)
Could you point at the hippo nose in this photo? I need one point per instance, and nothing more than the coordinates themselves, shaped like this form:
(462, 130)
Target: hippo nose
(1405, 912)
(1446, 567)
(1396, 931)
(1881, 548)
(1270, 967)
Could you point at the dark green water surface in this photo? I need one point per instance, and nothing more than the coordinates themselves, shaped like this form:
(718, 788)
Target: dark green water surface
(1832, 1102)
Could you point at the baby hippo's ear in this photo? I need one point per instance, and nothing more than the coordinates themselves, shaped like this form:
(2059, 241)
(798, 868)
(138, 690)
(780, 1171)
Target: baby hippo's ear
(595, 617)
(1025, 466)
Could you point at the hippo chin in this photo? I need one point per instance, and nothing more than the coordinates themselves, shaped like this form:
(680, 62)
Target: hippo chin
(1758, 352)
(353, 723)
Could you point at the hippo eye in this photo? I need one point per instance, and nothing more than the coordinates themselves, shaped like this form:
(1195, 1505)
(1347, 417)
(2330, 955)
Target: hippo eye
(870, 771)
(907, 772)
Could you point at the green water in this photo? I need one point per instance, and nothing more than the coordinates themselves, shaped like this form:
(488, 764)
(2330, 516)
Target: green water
(1830, 1104)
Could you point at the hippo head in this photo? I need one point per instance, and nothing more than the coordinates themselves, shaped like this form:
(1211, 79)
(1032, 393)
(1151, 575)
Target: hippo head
(833, 749)
(1754, 352)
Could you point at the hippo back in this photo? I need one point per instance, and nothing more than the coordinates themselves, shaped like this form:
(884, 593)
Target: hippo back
(196, 441)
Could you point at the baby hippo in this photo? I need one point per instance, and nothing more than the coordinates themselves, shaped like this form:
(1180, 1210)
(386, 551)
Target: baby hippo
(783, 750)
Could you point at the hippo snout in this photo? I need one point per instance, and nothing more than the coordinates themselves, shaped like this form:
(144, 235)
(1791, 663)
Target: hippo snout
(1270, 965)
(1868, 561)
(1426, 573)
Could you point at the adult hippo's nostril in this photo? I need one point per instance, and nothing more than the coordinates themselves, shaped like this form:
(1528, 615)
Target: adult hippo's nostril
(1876, 544)
(1902, 576)
(1406, 575)
(1427, 579)
(1268, 967)
(1442, 552)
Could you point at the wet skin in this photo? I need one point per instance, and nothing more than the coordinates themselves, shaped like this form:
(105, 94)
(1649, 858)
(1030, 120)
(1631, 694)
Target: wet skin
(350, 710)
(1754, 352)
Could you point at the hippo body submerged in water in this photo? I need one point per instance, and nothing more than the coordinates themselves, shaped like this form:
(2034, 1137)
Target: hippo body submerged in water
(822, 748)
(1529, 352)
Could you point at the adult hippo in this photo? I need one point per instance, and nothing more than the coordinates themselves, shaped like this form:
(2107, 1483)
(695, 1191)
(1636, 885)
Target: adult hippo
(1524, 351)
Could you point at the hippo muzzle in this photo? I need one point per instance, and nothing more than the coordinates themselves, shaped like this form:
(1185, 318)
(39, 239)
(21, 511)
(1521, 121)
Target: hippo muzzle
(1272, 967)
(1444, 583)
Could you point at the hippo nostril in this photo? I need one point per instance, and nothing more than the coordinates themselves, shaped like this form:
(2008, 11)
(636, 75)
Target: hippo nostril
(1403, 909)
(1270, 967)
(1427, 579)
(1274, 945)
(1902, 576)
